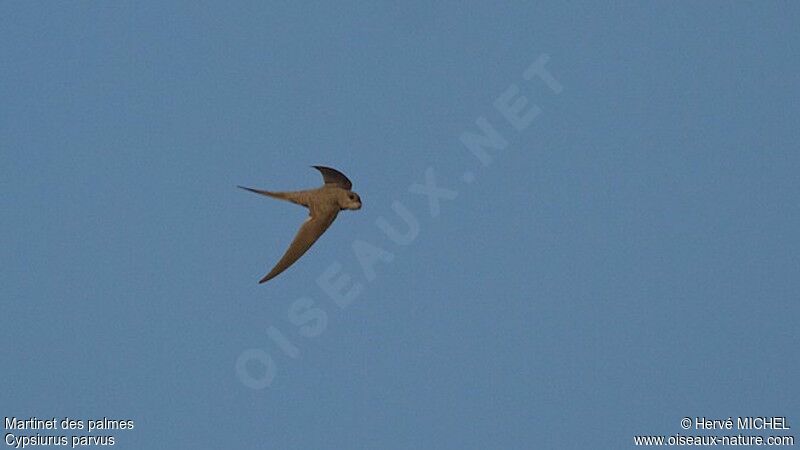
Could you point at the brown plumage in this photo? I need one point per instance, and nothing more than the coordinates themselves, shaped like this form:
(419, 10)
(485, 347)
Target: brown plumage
(323, 203)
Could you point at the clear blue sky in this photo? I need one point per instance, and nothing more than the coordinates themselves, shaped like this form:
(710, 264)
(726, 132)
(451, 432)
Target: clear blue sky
(629, 258)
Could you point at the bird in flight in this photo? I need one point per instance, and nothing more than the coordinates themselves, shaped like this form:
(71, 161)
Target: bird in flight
(323, 203)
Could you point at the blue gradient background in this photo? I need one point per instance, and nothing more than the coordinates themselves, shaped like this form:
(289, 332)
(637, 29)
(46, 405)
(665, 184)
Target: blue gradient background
(628, 260)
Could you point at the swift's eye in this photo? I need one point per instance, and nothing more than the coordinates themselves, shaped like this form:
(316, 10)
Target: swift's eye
(352, 197)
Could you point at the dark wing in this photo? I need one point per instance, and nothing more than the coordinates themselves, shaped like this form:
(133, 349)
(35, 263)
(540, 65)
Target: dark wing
(334, 177)
(310, 231)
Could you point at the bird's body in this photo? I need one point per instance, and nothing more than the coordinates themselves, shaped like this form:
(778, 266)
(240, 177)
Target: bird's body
(323, 203)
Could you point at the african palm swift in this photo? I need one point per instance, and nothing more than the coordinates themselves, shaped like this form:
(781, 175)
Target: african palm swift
(323, 204)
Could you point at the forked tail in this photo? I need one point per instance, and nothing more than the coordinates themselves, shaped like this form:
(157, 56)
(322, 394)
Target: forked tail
(294, 197)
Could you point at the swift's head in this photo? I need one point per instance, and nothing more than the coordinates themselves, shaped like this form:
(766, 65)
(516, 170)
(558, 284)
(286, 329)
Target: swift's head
(349, 200)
